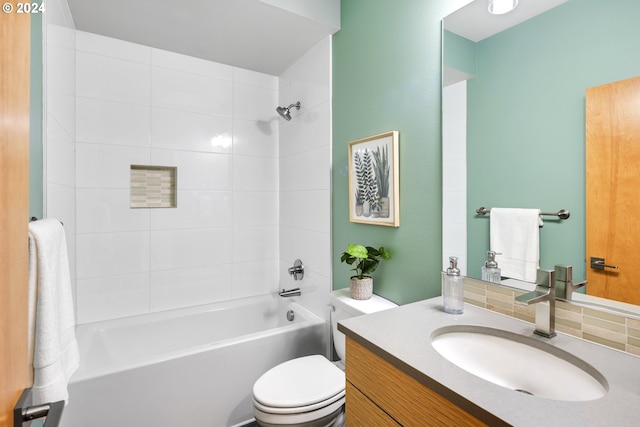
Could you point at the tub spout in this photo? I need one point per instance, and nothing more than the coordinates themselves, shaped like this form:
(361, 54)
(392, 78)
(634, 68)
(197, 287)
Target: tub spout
(295, 292)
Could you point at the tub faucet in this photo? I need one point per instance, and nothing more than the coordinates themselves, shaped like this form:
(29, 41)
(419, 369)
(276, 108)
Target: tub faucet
(564, 282)
(295, 292)
(544, 297)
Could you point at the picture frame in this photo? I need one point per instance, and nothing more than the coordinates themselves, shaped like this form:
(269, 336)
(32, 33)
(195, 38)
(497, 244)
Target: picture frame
(374, 180)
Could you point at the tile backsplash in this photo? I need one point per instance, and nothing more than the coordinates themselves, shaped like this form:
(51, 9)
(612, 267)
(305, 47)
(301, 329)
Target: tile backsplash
(608, 328)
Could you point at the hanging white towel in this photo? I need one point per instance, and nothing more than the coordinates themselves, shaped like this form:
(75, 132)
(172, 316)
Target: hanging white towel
(515, 235)
(52, 340)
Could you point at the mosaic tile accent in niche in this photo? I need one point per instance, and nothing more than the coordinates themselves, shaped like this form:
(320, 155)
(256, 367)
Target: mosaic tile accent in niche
(153, 187)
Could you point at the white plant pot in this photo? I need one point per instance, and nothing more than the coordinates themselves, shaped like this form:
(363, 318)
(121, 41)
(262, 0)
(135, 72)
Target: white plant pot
(361, 288)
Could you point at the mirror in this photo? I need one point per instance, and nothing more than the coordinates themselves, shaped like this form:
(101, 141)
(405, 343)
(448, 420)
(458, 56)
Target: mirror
(524, 91)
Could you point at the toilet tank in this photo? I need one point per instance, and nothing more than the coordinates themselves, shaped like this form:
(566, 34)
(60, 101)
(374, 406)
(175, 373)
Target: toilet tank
(346, 307)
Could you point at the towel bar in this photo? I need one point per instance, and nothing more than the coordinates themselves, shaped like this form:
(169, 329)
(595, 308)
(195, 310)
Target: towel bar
(35, 218)
(562, 213)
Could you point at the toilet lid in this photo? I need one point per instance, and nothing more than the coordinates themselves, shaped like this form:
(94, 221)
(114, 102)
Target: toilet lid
(299, 382)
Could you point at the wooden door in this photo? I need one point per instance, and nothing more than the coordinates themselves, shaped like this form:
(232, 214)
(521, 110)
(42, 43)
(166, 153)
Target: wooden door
(613, 189)
(14, 209)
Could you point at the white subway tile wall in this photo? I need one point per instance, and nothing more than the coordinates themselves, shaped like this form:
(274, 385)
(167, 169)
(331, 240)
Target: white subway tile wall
(238, 191)
(304, 177)
(59, 41)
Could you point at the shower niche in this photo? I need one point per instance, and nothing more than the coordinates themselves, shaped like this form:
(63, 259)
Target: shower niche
(153, 187)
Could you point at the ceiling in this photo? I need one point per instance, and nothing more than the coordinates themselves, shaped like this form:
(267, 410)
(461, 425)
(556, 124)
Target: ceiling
(252, 34)
(249, 34)
(474, 22)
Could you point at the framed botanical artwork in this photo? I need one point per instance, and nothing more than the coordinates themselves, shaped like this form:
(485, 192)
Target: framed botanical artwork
(373, 180)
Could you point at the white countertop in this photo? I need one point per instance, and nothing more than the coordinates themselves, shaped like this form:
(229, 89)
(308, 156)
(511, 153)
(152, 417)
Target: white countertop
(402, 336)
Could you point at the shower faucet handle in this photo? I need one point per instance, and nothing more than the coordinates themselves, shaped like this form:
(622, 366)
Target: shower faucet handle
(297, 271)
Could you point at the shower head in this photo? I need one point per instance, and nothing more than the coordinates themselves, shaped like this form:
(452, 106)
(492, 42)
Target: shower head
(286, 112)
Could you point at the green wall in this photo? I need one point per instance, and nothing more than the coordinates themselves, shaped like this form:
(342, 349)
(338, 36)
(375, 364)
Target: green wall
(387, 76)
(459, 53)
(526, 127)
(35, 124)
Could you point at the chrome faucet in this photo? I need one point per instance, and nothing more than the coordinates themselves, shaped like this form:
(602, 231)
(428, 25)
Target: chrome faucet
(564, 282)
(297, 271)
(544, 297)
(295, 292)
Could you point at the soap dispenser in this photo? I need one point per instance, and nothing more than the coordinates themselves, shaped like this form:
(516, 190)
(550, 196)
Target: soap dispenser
(453, 288)
(490, 270)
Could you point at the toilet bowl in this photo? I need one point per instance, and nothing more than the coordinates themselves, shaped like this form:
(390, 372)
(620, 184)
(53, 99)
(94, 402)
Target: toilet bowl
(310, 391)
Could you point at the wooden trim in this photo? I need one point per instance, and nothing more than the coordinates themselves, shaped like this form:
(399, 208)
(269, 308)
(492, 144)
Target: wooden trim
(14, 208)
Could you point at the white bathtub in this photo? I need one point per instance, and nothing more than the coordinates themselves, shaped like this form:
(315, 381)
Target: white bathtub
(188, 367)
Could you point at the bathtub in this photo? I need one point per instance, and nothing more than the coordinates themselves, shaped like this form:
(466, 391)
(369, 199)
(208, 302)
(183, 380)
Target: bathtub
(187, 367)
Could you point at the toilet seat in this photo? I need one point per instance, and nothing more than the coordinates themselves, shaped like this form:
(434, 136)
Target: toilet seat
(305, 382)
(300, 409)
(303, 390)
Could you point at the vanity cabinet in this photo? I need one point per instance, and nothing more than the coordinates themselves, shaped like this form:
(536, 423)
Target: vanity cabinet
(395, 377)
(380, 394)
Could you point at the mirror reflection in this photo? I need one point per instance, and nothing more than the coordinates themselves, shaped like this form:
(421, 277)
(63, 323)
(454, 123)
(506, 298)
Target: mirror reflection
(520, 95)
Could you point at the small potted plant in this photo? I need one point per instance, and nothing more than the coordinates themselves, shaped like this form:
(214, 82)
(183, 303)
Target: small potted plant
(365, 260)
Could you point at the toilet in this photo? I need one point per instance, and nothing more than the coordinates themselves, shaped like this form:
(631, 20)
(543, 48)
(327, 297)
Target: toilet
(309, 391)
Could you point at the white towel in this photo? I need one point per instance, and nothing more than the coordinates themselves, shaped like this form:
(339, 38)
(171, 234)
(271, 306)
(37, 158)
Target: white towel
(52, 339)
(515, 235)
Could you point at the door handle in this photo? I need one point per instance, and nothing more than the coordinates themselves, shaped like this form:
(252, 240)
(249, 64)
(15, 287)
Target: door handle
(598, 264)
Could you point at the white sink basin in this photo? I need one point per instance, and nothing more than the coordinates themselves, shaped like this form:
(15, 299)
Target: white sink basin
(519, 363)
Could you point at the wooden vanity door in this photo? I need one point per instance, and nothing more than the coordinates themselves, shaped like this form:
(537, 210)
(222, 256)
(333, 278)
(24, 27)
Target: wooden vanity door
(613, 189)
